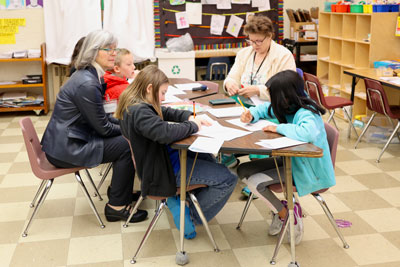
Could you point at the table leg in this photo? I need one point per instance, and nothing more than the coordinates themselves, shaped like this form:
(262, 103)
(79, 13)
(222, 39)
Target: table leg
(181, 256)
(353, 89)
(289, 195)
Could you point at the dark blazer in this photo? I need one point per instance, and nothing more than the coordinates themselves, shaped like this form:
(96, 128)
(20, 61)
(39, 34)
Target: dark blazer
(149, 135)
(79, 123)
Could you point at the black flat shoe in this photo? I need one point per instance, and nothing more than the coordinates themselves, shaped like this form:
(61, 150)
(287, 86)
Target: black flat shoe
(113, 215)
(135, 195)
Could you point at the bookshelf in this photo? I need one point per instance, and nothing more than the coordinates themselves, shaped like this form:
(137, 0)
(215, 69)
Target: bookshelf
(343, 44)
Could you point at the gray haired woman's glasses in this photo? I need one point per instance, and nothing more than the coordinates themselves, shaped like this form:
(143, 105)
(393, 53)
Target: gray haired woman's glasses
(110, 50)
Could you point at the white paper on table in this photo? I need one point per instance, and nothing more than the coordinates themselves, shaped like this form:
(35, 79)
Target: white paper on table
(206, 145)
(187, 86)
(217, 24)
(181, 20)
(279, 142)
(224, 4)
(171, 99)
(209, 2)
(257, 100)
(172, 90)
(259, 125)
(267, 6)
(193, 12)
(258, 3)
(234, 25)
(395, 80)
(240, 1)
(226, 112)
(218, 131)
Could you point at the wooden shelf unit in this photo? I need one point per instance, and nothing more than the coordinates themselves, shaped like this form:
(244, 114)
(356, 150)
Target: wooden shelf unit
(42, 61)
(342, 46)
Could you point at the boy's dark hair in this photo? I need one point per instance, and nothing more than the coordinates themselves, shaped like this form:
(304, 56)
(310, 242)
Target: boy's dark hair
(286, 89)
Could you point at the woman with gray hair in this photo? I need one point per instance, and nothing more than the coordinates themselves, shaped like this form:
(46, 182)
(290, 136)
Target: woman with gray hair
(80, 133)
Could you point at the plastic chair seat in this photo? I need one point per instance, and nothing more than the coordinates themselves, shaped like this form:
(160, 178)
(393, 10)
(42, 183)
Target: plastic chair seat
(332, 102)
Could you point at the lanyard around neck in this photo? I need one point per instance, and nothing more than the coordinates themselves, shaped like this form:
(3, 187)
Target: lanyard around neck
(259, 67)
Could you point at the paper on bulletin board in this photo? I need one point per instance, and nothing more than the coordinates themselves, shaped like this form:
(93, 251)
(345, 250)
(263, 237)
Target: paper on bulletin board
(15, 4)
(2, 4)
(7, 38)
(234, 25)
(209, 2)
(8, 29)
(267, 6)
(34, 3)
(181, 20)
(217, 24)
(224, 4)
(240, 1)
(258, 3)
(193, 12)
(12, 22)
(176, 2)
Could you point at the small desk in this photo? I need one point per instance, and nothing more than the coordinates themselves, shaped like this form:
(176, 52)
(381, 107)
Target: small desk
(246, 145)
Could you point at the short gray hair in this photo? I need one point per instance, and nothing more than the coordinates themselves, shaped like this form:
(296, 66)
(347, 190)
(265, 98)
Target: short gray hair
(90, 48)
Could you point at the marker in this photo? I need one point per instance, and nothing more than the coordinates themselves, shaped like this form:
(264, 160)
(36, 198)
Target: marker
(194, 109)
(240, 101)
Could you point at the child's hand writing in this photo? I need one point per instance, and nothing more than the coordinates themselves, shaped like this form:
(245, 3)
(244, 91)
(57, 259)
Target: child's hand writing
(199, 121)
(232, 88)
(246, 117)
(270, 128)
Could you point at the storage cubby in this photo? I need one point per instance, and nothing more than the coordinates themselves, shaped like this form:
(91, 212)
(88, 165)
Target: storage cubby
(362, 56)
(346, 80)
(334, 75)
(363, 27)
(335, 50)
(324, 24)
(349, 26)
(323, 71)
(336, 25)
(323, 48)
(348, 54)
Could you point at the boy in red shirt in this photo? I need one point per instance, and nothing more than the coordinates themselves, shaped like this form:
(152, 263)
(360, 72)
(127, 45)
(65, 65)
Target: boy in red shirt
(117, 78)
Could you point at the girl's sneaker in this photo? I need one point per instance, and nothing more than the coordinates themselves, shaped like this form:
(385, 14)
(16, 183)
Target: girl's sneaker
(229, 160)
(277, 222)
(298, 224)
(174, 205)
(246, 192)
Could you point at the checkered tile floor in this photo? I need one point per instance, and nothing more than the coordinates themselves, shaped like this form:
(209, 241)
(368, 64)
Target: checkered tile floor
(66, 233)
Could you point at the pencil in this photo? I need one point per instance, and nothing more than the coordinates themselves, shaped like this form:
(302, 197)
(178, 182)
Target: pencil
(240, 101)
(194, 109)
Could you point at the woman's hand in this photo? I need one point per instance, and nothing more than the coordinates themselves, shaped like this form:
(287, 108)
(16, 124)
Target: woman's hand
(246, 117)
(270, 128)
(232, 88)
(249, 91)
(199, 121)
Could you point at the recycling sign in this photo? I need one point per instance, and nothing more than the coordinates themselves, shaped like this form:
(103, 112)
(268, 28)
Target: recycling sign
(175, 69)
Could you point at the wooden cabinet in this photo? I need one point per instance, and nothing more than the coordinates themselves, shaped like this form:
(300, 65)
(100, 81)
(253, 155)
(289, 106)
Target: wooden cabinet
(19, 86)
(353, 41)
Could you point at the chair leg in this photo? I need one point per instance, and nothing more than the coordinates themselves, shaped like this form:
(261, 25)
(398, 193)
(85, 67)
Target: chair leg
(246, 208)
(85, 192)
(394, 127)
(350, 121)
(103, 166)
(331, 118)
(285, 226)
(39, 204)
(37, 193)
(388, 141)
(328, 213)
(92, 183)
(364, 130)
(150, 229)
(203, 220)
(103, 177)
(135, 208)
(157, 202)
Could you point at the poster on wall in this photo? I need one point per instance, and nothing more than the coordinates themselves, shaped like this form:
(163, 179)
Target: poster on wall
(34, 3)
(15, 4)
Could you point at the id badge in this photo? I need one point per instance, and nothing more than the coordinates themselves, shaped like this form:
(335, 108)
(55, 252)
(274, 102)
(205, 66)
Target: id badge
(110, 106)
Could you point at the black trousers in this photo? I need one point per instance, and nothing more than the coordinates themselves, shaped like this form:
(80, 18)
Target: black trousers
(117, 151)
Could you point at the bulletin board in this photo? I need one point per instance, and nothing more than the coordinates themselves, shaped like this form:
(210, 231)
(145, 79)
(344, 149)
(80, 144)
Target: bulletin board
(165, 25)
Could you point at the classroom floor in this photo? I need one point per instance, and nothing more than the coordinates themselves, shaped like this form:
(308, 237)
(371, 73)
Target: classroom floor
(66, 233)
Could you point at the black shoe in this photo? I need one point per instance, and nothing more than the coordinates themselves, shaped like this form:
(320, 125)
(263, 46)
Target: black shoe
(135, 195)
(113, 215)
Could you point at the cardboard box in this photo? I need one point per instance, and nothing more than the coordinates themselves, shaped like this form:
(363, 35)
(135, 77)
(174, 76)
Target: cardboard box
(303, 31)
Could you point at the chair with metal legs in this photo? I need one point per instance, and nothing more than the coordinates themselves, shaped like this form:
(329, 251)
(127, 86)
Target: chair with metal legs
(377, 102)
(104, 174)
(159, 211)
(45, 171)
(333, 140)
(331, 103)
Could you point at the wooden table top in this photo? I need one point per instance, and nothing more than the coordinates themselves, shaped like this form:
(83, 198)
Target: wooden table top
(371, 74)
(190, 95)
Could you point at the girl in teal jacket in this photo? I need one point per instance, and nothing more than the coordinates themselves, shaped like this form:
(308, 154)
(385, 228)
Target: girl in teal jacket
(300, 119)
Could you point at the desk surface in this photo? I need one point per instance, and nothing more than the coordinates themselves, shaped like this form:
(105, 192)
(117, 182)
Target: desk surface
(371, 74)
(190, 95)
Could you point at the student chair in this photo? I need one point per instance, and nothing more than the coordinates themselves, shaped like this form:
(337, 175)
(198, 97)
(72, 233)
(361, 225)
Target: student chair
(217, 68)
(333, 140)
(107, 167)
(378, 103)
(300, 72)
(314, 90)
(47, 172)
(160, 209)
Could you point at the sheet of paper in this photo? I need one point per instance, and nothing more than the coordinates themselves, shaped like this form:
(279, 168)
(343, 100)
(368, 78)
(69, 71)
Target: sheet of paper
(224, 4)
(187, 86)
(258, 126)
(267, 6)
(206, 145)
(395, 80)
(279, 142)
(240, 1)
(209, 2)
(172, 90)
(218, 131)
(256, 100)
(193, 12)
(258, 3)
(181, 20)
(234, 25)
(226, 112)
(217, 24)
(176, 2)
(171, 99)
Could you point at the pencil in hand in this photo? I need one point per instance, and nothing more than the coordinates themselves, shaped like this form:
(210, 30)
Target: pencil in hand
(194, 109)
(240, 101)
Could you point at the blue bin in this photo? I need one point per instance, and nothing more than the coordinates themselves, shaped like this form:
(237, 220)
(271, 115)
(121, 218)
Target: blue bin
(381, 8)
(394, 8)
